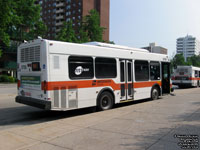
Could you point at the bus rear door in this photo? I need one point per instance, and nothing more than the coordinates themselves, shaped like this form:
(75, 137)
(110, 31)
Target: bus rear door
(126, 80)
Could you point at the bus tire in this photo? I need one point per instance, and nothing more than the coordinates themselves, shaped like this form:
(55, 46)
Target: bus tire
(105, 101)
(154, 93)
(198, 84)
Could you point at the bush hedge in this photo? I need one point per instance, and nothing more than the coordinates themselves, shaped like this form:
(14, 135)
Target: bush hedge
(5, 78)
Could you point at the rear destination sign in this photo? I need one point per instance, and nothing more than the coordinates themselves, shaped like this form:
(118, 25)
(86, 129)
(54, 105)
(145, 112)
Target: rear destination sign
(31, 81)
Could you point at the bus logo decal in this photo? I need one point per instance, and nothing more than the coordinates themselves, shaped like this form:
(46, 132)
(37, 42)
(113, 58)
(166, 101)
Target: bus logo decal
(79, 70)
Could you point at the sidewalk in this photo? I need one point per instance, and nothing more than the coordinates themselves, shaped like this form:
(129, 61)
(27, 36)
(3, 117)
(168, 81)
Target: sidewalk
(7, 84)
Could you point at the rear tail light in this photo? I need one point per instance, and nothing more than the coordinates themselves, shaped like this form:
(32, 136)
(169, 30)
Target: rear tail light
(18, 84)
(36, 66)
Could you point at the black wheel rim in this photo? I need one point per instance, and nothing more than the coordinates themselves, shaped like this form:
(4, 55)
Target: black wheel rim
(155, 94)
(105, 102)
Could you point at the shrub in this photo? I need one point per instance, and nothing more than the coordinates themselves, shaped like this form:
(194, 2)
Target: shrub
(11, 79)
(5, 78)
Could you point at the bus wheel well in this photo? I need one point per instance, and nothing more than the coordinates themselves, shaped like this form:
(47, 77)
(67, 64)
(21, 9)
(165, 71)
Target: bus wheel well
(158, 87)
(106, 90)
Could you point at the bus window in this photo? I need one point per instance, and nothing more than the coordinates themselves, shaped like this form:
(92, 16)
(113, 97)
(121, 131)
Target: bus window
(141, 70)
(154, 70)
(122, 71)
(129, 72)
(165, 77)
(196, 73)
(81, 67)
(105, 68)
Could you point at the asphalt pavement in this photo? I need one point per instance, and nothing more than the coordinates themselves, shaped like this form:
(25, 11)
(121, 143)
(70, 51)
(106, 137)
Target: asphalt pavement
(169, 123)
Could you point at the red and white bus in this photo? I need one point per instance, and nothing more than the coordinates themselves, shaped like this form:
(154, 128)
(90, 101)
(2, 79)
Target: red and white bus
(186, 76)
(63, 76)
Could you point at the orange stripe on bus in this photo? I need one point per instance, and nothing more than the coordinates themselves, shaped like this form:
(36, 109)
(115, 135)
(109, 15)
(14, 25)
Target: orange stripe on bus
(82, 84)
(194, 78)
(146, 84)
(93, 83)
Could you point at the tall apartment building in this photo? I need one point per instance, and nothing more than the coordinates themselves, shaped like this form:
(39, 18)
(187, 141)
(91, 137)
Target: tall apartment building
(55, 12)
(188, 46)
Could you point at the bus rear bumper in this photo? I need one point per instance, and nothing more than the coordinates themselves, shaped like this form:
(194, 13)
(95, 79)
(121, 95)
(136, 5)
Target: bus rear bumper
(183, 84)
(43, 104)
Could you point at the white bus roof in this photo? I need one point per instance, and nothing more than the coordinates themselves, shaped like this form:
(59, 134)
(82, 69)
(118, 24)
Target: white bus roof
(198, 68)
(102, 50)
(115, 46)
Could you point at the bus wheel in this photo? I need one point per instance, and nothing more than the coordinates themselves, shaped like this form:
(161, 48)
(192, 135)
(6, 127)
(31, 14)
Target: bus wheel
(105, 101)
(154, 93)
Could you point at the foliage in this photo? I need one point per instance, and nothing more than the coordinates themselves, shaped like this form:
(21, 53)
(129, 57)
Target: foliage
(40, 29)
(6, 17)
(178, 60)
(91, 24)
(20, 20)
(27, 23)
(67, 33)
(111, 42)
(6, 78)
(89, 30)
(194, 61)
(83, 36)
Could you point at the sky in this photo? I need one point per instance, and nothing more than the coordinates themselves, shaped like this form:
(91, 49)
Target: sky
(136, 23)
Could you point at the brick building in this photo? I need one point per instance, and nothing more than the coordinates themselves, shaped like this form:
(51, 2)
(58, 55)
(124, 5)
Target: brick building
(55, 12)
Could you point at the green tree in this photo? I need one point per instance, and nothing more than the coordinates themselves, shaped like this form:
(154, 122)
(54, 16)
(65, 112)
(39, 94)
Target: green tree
(194, 61)
(6, 17)
(20, 20)
(40, 29)
(27, 23)
(67, 33)
(91, 25)
(82, 35)
(178, 60)
(90, 30)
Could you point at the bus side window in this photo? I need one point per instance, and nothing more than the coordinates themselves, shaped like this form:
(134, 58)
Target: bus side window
(105, 67)
(154, 70)
(81, 67)
(122, 71)
(141, 70)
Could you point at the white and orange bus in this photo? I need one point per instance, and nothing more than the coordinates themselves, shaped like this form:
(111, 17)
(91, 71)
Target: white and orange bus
(63, 76)
(186, 76)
